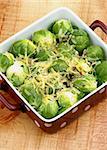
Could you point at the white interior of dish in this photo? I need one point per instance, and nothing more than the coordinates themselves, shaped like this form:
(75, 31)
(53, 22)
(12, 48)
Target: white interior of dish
(42, 24)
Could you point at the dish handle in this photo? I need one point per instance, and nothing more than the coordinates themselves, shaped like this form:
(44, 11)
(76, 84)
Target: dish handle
(5, 99)
(100, 24)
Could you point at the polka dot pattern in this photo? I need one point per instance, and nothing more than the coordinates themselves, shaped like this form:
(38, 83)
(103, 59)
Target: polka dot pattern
(75, 109)
(63, 124)
(27, 108)
(48, 125)
(87, 107)
(102, 90)
(37, 123)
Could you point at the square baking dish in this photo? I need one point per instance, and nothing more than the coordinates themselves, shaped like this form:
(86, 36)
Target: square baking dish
(60, 121)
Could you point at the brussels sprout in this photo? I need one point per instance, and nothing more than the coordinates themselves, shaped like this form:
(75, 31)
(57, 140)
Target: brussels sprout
(49, 107)
(31, 93)
(59, 65)
(22, 47)
(79, 94)
(83, 67)
(80, 39)
(6, 60)
(101, 72)
(61, 27)
(85, 84)
(67, 99)
(44, 38)
(67, 50)
(61, 110)
(17, 73)
(94, 53)
(43, 55)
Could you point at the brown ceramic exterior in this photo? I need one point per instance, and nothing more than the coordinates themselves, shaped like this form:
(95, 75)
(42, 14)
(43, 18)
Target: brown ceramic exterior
(75, 112)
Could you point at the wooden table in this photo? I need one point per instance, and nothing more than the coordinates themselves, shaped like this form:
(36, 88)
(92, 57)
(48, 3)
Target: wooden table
(89, 132)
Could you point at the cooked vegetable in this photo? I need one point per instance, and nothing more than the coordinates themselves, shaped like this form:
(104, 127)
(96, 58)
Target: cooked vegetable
(43, 54)
(80, 39)
(59, 65)
(83, 67)
(94, 53)
(85, 83)
(17, 73)
(31, 92)
(79, 94)
(6, 60)
(44, 38)
(22, 47)
(66, 99)
(67, 50)
(50, 83)
(61, 27)
(56, 68)
(49, 107)
(101, 72)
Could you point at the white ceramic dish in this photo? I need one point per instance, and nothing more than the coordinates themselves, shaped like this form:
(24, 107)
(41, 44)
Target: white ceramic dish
(26, 34)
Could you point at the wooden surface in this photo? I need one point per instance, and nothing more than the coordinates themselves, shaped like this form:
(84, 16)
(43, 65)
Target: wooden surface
(89, 132)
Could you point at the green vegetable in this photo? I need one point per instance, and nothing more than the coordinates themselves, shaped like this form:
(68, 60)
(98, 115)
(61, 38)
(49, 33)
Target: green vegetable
(50, 83)
(61, 27)
(83, 67)
(67, 50)
(61, 110)
(43, 55)
(6, 60)
(80, 39)
(22, 47)
(101, 72)
(85, 84)
(78, 93)
(67, 99)
(44, 38)
(94, 53)
(31, 93)
(49, 107)
(56, 68)
(17, 73)
(59, 65)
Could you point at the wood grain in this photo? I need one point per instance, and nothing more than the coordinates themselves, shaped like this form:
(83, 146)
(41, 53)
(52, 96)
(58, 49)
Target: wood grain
(89, 132)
